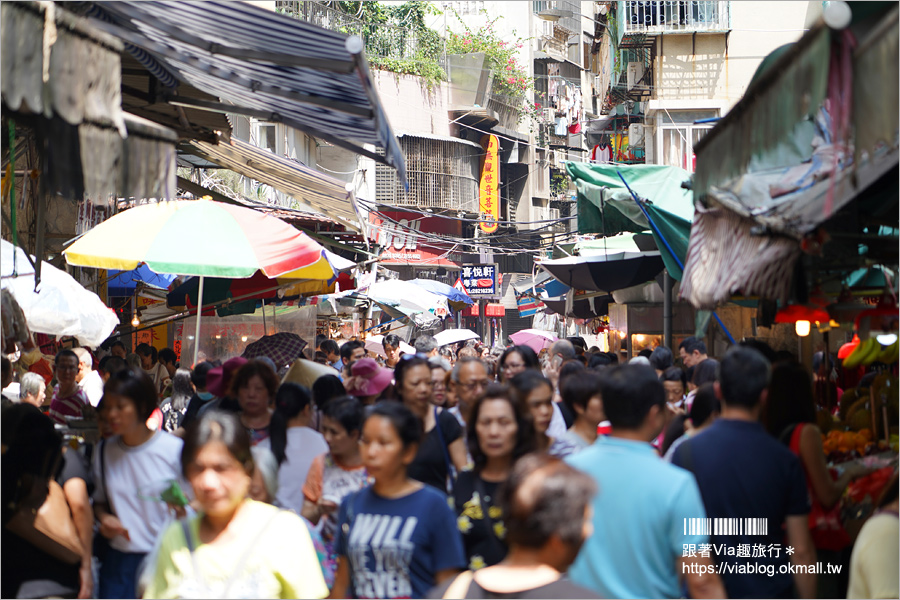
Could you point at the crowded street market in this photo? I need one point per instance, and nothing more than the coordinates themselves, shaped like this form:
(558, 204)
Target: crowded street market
(550, 299)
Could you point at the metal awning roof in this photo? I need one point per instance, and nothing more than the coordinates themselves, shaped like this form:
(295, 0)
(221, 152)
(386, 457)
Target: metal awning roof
(260, 64)
(320, 192)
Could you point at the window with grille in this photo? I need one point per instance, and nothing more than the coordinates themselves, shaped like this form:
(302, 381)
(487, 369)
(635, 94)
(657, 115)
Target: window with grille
(441, 174)
(679, 135)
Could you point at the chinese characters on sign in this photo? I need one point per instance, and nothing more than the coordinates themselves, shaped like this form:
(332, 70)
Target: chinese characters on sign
(480, 281)
(489, 187)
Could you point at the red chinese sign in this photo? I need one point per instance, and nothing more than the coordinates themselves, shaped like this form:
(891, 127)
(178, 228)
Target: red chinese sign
(404, 238)
(489, 187)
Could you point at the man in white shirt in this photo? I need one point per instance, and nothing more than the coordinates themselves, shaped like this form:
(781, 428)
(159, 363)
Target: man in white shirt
(87, 378)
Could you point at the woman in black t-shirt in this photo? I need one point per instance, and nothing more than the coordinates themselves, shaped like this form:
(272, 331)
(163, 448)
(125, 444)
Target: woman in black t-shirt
(498, 434)
(443, 449)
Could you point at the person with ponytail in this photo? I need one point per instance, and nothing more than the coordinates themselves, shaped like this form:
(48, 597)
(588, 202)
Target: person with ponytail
(293, 442)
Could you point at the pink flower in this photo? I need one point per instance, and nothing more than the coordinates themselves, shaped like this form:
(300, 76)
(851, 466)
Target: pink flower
(466, 42)
(509, 68)
(501, 44)
(511, 80)
(537, 105)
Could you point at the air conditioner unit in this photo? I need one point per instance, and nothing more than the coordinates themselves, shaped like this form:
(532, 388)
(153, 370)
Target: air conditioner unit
(636, 135)
(549, 115)
(634, 74)
(553, 214)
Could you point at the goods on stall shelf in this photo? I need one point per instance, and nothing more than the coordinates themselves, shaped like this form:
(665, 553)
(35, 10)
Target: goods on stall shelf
(870, 351)
(856, 412)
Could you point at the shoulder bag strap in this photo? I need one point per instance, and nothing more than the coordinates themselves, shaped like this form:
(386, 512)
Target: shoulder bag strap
(247, 551)
(109, 502)
(437, 426)
(460, 586)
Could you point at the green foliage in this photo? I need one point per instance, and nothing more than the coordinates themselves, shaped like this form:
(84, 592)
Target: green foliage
(559, 182)
(396, 37)
(511, 78)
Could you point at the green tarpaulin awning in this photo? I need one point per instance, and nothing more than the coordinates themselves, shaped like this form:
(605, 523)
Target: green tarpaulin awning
(606, 207)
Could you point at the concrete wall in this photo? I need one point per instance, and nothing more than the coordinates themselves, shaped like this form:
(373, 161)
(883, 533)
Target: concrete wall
(720, 66)
(412, 107)
(713, 70)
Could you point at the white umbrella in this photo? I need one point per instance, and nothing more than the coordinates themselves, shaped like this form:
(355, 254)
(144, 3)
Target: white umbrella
(60, 306)
(374, 345)
(451, 336)
(422, 306)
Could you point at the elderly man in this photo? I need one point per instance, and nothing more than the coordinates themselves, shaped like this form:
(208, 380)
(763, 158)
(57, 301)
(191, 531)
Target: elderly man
(468, 380)
(87, 378)
(32, 389)
(547, 517)
(427, 345)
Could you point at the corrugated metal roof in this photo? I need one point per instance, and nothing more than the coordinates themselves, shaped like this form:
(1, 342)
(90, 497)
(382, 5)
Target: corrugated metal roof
(260, 64)
(321, 192)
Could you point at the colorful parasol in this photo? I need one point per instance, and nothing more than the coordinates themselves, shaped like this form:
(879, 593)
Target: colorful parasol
(201, 238)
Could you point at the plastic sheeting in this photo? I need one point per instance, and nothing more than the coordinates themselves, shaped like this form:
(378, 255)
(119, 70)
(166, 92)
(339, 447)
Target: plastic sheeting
(60, 306)
(606, 207)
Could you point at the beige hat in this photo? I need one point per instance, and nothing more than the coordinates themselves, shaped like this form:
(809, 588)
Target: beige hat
(305, 372)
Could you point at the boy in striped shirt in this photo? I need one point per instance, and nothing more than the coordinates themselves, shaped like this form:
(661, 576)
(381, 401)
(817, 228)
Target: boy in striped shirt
(68, 399)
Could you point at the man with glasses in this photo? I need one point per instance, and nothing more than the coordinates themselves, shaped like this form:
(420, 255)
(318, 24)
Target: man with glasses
(68, 399)
(469, 379)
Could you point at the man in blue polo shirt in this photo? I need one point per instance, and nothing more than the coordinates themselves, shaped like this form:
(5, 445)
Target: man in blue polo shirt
(638, 549)
(753, 487)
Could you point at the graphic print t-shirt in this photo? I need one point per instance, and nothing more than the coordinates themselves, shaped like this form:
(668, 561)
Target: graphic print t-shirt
(396, 546)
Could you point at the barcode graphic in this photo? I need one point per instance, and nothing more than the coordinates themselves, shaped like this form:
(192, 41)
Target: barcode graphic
(726, 526)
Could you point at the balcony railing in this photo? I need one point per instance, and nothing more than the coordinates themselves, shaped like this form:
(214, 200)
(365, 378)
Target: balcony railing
(382, 40)
(507, 108)
(672, 16)
(566, 13)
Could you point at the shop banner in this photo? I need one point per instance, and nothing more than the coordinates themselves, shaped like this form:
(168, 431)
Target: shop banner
(489, 186)
(480, 281)
(404, 237)
(527, 305)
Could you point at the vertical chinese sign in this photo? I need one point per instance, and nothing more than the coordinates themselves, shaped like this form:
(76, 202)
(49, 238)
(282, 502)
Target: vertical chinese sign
(155, 336)
(489, 187)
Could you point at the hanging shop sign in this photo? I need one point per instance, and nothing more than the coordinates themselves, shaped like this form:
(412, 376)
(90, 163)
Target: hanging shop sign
(489, 187)
(480, 281)
(404, 238)
(494, 310)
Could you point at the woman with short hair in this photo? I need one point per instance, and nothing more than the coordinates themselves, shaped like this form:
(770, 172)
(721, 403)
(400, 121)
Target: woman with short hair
(235, 546)
(499, 433)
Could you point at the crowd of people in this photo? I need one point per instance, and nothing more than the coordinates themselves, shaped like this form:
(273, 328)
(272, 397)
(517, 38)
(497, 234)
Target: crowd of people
(452, 472)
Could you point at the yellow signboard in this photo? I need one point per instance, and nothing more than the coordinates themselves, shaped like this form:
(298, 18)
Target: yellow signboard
(154, 336)
(489, 186)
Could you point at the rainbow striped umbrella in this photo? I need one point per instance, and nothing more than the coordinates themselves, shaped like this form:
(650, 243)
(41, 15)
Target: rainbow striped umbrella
(201, 238)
